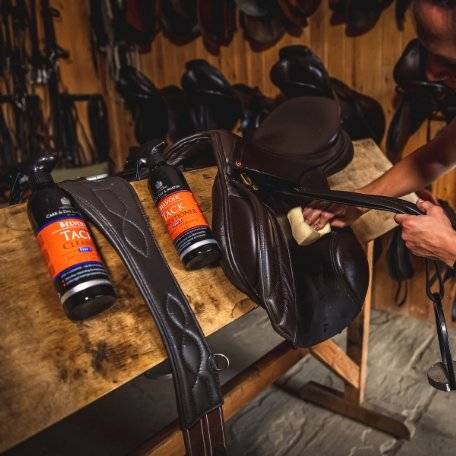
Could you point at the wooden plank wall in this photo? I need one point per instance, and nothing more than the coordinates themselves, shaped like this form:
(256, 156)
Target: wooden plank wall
(365, 63)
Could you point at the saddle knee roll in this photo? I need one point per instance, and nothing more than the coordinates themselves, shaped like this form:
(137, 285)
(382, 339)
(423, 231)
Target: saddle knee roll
(302, 232)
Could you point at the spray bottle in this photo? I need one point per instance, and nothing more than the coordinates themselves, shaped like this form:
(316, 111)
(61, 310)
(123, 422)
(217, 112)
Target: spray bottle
(184, 219)
(79, 275)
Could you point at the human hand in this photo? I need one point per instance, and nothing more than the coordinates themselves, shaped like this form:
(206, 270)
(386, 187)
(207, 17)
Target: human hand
(318, 213)
(430, 235)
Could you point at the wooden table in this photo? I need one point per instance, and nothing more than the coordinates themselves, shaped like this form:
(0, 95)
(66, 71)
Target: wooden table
(51, 367)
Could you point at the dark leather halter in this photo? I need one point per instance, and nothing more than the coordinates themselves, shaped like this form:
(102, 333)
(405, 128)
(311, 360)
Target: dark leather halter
(310, 293)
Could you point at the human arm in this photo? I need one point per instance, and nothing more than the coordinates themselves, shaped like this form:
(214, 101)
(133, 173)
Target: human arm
(412, 173)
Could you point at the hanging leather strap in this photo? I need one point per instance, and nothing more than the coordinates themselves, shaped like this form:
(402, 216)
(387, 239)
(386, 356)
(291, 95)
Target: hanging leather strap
(112, 205)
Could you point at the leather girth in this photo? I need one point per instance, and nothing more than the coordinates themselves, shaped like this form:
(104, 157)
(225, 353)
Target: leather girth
(112, 205)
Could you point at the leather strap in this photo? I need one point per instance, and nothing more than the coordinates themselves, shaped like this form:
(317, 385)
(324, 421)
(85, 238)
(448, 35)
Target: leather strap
(112, 205)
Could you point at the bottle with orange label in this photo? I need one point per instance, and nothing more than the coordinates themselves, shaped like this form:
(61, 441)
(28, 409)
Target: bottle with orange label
(184, 220)
(79, 275)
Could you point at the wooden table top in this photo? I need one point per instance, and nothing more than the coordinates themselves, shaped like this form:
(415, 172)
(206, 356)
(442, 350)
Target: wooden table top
(51, 367)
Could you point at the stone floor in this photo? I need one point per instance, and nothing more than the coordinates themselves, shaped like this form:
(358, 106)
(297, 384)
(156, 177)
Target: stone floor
(279, 422)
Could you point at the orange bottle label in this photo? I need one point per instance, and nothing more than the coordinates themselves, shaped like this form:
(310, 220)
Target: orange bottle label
(181, 213)
(66, 243)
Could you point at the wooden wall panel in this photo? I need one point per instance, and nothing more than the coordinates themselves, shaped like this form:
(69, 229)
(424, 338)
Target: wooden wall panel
(365, 63)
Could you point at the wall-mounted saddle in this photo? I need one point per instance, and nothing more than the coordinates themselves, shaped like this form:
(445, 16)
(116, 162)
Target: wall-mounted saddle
(360, 16)
(213, 102)
(145, 103)
(265, 22)
(179, 20)
(419, 99)
(217, 23)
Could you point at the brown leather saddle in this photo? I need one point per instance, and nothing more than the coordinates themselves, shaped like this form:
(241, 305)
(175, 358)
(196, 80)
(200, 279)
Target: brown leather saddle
(310, 293)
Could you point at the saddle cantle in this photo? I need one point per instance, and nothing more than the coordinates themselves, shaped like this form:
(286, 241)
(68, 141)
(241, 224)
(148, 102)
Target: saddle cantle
(299, 72)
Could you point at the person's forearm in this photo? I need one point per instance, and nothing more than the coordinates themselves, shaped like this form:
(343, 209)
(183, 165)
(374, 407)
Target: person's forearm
(412, 173)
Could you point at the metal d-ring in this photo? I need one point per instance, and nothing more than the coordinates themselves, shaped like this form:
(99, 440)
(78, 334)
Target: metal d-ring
(220, 362)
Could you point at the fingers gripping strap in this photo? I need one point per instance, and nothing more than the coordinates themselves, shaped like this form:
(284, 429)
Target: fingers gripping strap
(112, 205)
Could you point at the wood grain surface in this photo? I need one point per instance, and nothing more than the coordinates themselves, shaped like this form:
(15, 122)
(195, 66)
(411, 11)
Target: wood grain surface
(50, 366)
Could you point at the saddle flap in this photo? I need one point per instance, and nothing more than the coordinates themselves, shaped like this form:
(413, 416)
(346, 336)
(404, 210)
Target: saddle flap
(331, 277)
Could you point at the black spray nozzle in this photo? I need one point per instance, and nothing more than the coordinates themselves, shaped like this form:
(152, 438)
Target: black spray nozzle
(149, 155)
(155, 155)
(45, 163)
(40, 169)
(31, 174)
(140, 157)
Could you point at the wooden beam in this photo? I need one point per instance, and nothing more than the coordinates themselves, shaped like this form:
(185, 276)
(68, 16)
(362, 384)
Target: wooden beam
(239, 392)
(334, 401)
(336, 360)
(358, 338)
